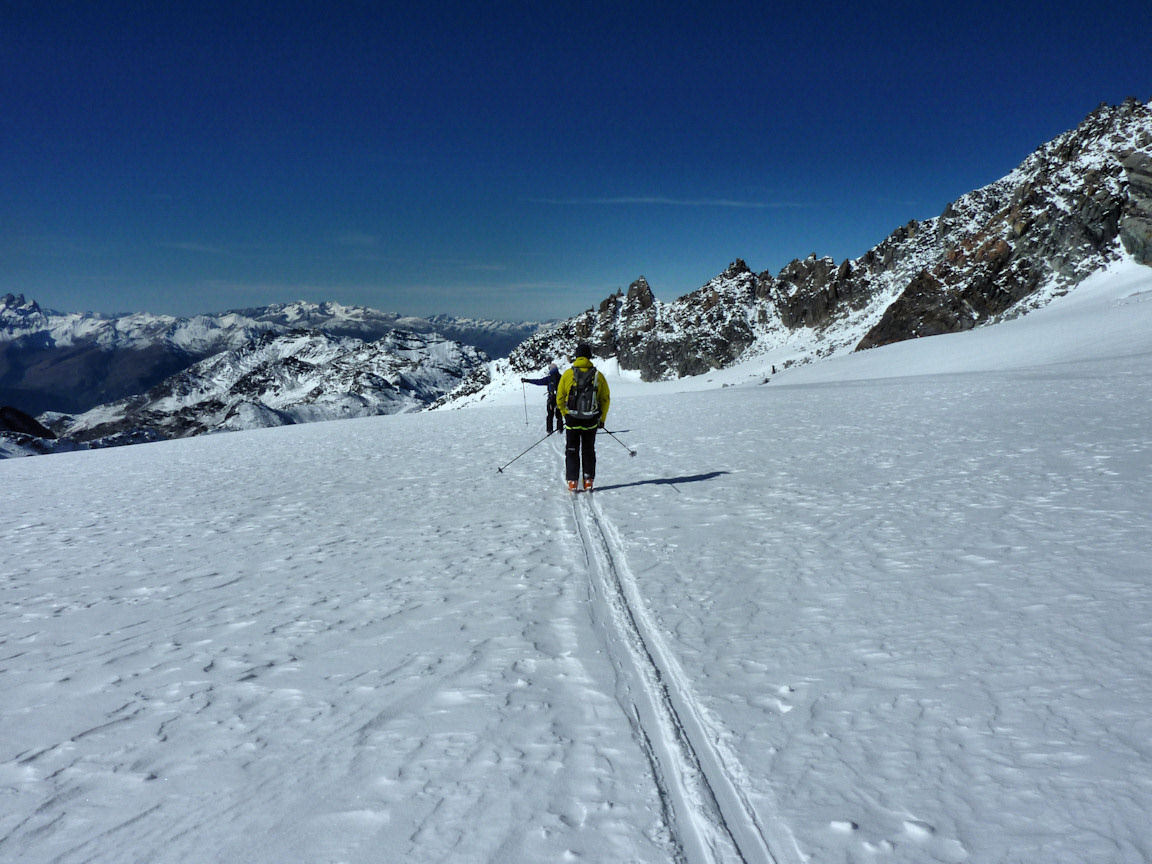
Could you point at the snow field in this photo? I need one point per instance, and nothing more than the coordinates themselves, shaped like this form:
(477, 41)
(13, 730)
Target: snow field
(849, 616)
(315, 647)
(922, 623)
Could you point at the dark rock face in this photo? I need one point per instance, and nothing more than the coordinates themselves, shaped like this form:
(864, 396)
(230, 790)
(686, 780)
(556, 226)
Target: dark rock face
(23, 435)
(808, 292)
(15, 420)
(76, 377)
(1136, 222)
(924, 309)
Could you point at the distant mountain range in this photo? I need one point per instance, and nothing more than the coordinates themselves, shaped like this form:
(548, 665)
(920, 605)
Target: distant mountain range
(278, 379)
(71, 363)
(1078, 203)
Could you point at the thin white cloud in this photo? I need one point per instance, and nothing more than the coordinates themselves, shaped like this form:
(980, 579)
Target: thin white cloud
(660, 201)
(187, 246)
(470, 265)
(358, 240)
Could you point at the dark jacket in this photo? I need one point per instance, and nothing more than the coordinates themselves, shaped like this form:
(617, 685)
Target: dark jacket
(552, 380)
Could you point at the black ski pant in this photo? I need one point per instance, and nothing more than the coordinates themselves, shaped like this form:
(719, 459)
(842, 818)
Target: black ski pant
(555, 418)
(580, 447)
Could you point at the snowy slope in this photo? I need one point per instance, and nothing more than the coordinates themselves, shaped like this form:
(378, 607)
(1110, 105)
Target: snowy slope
(898, 612)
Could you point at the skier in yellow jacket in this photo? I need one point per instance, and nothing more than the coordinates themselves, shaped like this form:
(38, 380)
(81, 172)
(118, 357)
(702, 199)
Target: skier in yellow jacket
(583, 398)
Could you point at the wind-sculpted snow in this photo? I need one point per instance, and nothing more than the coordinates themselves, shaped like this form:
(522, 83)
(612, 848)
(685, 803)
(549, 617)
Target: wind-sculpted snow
(894, 611)
(314, 659)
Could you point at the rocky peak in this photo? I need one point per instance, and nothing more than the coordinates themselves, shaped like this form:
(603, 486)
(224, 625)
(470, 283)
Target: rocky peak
(14, 305)
(640, 296)
(736, 269)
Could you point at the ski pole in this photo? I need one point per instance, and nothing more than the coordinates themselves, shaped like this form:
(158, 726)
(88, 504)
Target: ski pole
(524, 390)
(500, 470)
(631, 452)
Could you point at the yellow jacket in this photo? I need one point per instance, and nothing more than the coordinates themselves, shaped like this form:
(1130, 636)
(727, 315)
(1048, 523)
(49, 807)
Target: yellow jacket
(602, 394)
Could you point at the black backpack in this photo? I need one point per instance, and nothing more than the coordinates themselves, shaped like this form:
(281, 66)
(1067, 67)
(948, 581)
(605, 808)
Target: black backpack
(583, 399)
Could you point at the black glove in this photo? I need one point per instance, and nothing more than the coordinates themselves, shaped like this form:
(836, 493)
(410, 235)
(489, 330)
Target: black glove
(524, 380)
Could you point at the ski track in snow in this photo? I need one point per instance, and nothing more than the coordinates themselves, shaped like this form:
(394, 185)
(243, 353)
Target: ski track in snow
(711, 819)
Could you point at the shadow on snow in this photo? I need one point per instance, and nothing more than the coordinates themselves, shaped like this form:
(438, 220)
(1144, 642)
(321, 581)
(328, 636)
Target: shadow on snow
(665, 481)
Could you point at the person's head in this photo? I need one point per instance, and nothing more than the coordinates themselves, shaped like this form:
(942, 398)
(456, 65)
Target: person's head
(583, 349)
(552, 367)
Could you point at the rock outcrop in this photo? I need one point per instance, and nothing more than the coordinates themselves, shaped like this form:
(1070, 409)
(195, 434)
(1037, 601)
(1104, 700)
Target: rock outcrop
(1136, 221)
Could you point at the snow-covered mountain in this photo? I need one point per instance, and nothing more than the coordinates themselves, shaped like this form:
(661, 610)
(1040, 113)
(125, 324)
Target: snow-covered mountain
(53, 361)
(283, 378)
(1067, 211)
(495, 338)
(71, 362)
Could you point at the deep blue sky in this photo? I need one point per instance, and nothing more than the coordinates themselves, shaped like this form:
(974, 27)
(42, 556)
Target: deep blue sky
(512, 160)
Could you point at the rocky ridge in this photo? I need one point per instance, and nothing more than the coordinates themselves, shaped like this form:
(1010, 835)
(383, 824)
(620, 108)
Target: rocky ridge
(1075, 204)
